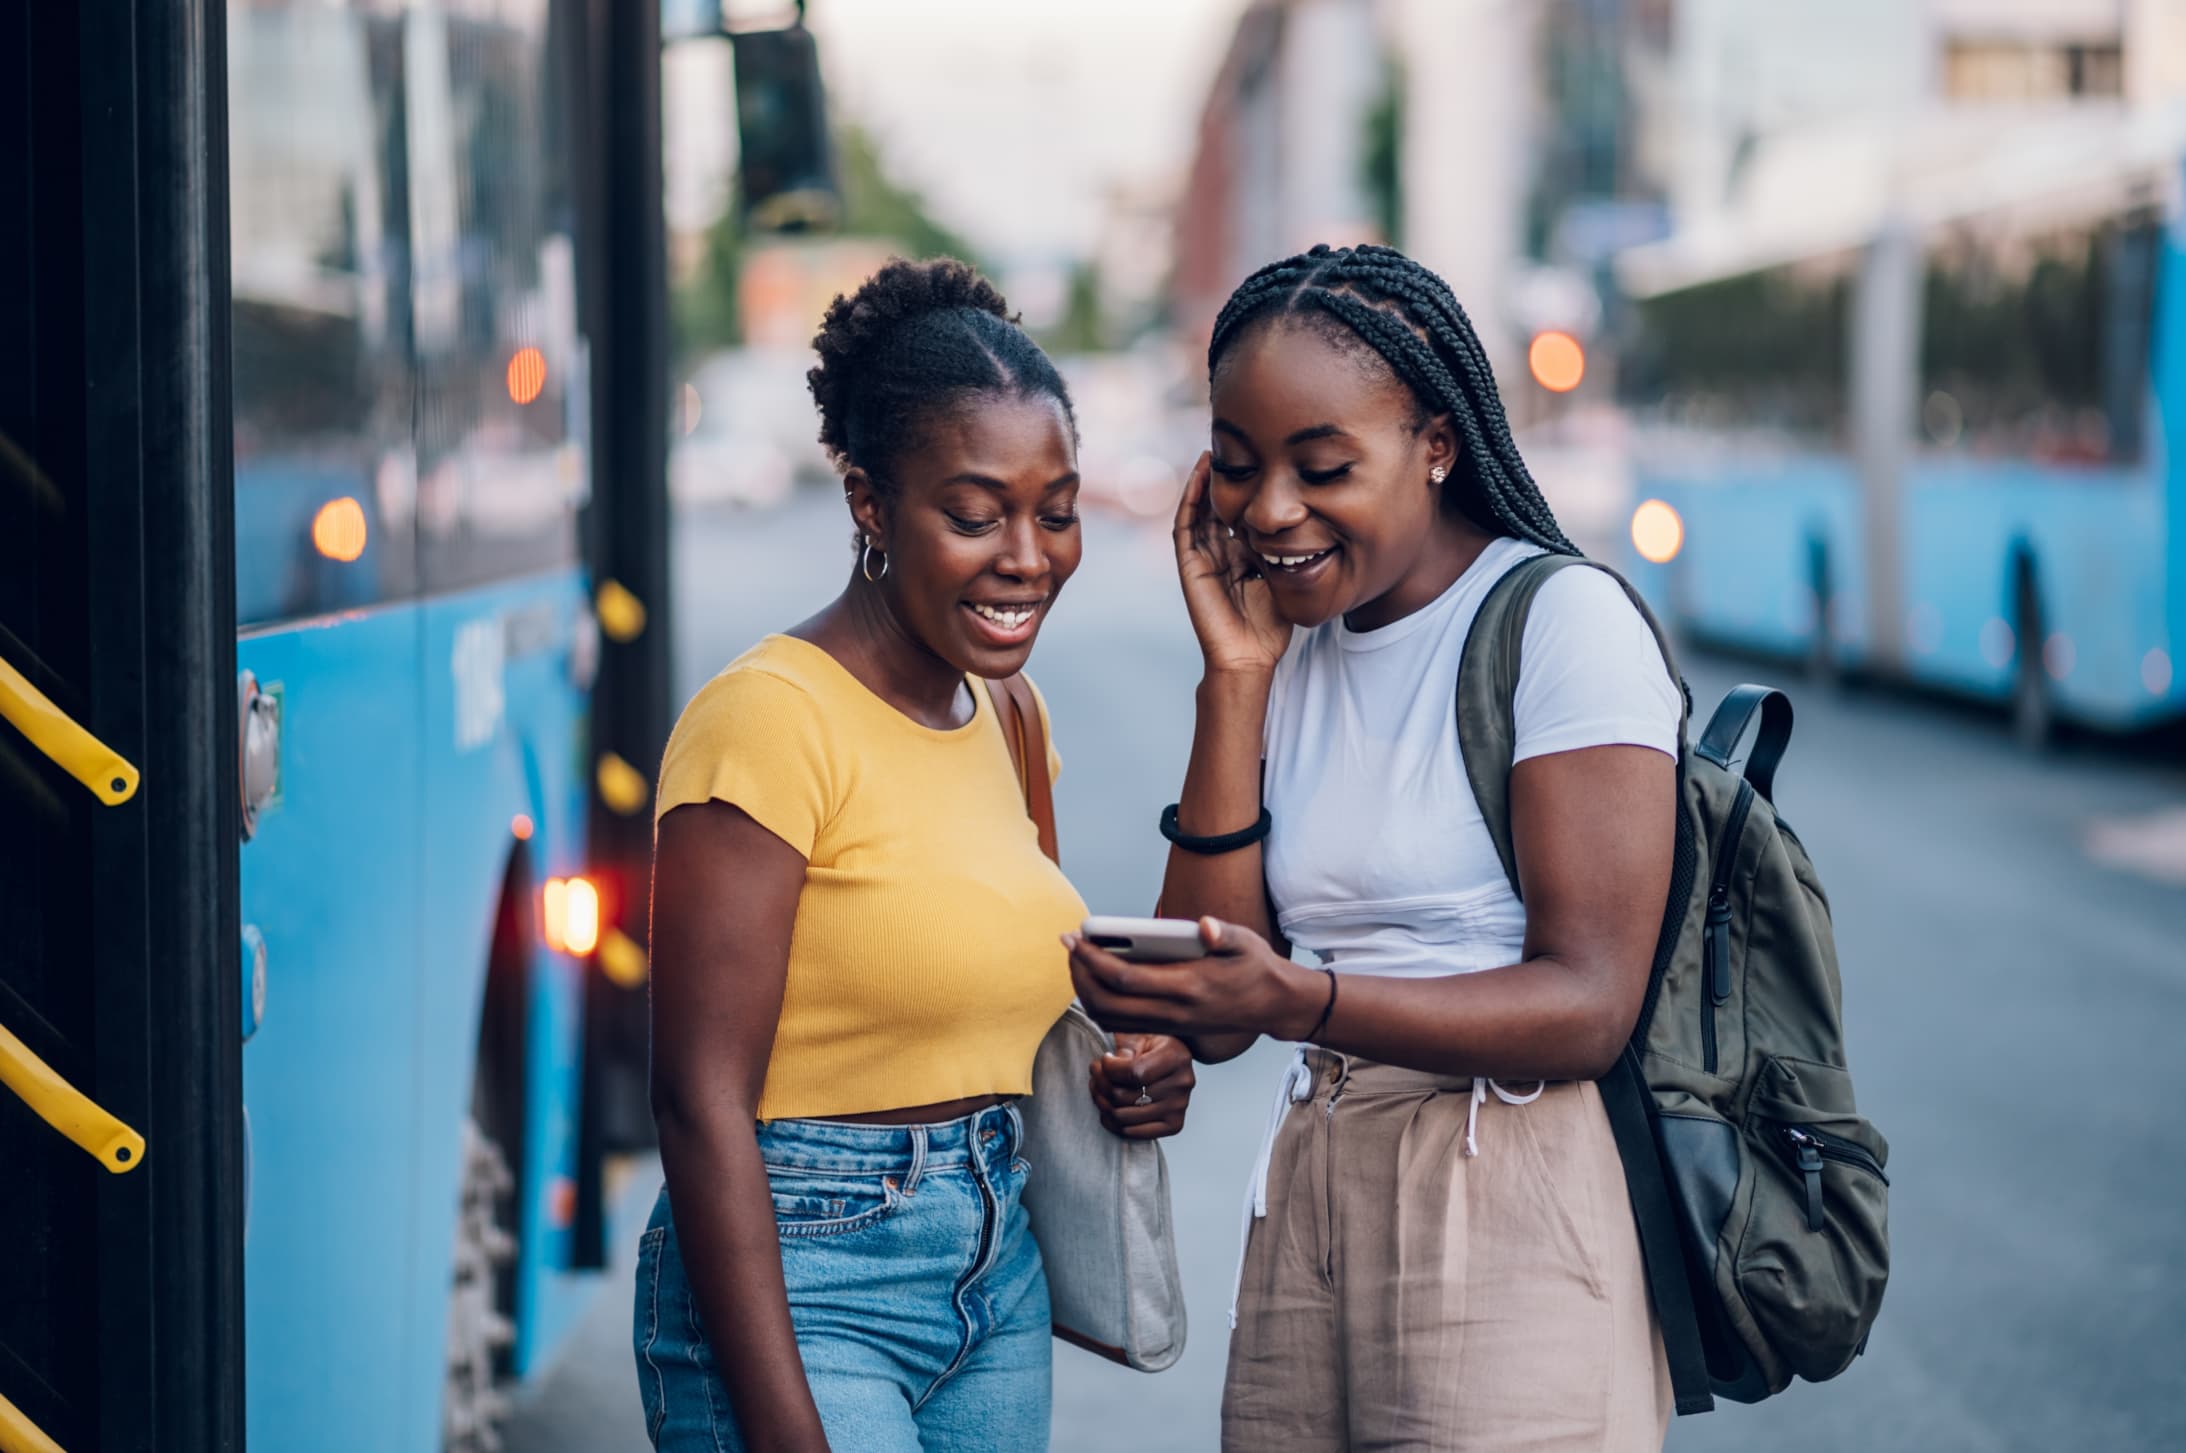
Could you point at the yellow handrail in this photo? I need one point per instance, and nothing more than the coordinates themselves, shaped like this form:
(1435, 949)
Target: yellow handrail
(621, 614)
(19, 1434)
(622, 960)
(52, 731)
(67, 1109)
(622, 786)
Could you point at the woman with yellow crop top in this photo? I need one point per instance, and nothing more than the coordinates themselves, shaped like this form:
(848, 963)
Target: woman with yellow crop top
(856, 936)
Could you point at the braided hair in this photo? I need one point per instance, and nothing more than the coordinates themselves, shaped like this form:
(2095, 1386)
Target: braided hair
(916, 340)
(1377, 299)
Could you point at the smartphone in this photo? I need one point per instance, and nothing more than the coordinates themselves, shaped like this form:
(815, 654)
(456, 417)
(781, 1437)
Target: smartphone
(1146, 940)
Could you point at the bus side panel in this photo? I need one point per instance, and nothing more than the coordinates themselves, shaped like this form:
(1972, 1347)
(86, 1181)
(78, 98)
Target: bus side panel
(327, 1083)
(502, 739)
(1744, 576)
(2093, 536)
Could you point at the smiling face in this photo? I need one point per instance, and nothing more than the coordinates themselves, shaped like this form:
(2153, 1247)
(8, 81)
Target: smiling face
(980, 530)
(1321, 466)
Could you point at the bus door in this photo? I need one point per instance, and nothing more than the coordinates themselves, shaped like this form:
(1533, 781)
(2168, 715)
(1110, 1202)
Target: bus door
(122, 978)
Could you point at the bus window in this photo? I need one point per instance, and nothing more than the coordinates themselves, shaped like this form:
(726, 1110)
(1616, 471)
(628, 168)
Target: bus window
(1762, 353)
(2034, 342)
(319, 229)
(502, 466)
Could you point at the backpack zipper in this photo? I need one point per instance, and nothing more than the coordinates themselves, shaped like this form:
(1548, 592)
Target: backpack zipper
(1811, 1147)
(1716, 941)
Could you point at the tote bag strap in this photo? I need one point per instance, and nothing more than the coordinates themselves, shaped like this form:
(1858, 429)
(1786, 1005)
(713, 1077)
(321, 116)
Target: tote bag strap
(1019, 714)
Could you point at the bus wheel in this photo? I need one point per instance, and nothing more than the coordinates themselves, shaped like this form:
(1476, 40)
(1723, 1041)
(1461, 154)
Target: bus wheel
(473, 1405)
(2033, 706)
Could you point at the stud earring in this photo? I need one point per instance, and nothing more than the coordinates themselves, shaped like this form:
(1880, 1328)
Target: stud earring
(1437, 474)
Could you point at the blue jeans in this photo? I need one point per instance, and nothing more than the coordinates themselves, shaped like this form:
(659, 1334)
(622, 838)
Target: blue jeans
(920, 1306)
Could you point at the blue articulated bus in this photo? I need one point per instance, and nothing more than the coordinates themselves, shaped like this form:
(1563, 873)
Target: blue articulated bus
(334, 668)
(1931, 431)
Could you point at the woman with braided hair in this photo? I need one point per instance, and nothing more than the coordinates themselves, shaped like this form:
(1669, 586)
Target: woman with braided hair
(1440, 1253)
(854, 935)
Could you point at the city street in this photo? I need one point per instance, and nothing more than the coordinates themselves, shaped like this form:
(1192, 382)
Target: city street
(2011, 937)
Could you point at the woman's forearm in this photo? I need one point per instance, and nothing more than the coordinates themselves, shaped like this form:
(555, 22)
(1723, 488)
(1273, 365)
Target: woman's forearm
(724, 1220)
(1544, 1019)
(1221, 794)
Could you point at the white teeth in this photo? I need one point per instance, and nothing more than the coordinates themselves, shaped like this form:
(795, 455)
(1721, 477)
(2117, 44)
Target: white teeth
(1289, 561)
(1009, 618)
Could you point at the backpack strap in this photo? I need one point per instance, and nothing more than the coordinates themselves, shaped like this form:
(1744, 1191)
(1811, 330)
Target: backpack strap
(1729, 724)
(1018, 712)
(1630, 1106)
(1487, 687)
(1487, 736)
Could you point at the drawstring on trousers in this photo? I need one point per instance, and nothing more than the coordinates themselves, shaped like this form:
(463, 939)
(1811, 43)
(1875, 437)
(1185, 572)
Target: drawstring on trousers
(1481, 1086)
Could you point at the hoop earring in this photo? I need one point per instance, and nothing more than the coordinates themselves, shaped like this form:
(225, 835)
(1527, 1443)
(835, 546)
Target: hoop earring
(1437, 474)
(865, 562)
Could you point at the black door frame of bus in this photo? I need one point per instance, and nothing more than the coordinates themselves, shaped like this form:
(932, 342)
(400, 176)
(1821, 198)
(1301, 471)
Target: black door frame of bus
(625, 302)
(159, 477)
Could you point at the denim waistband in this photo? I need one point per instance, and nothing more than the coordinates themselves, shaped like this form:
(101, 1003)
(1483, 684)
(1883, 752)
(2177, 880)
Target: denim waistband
(998, 1132)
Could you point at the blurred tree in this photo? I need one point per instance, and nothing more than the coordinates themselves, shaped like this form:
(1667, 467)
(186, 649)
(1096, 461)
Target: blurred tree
(1381, 159)
(874, 205)
(1083, 328)
(705, 308)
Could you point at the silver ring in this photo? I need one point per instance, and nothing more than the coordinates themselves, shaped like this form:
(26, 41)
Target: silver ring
(1145, 1098)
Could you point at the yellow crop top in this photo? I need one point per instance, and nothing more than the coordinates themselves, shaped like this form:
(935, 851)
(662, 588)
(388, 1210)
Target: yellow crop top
(925, 964)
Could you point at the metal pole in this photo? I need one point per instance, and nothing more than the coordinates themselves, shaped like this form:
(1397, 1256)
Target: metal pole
(1885, 324)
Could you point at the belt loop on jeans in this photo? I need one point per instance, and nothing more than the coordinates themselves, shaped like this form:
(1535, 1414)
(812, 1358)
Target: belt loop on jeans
(918, 1159)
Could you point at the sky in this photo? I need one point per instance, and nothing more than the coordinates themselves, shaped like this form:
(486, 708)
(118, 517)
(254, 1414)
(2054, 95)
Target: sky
(1012, 117)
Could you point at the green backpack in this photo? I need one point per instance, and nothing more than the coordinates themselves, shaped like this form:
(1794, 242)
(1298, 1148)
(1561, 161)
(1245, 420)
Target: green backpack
(1757, 1186)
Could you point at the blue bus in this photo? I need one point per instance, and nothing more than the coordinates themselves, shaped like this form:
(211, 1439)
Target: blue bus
(334, 664)
(413, 458)
(1920, 430)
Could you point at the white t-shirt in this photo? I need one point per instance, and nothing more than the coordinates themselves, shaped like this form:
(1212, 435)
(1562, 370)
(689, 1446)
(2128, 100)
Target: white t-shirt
(1379, 860)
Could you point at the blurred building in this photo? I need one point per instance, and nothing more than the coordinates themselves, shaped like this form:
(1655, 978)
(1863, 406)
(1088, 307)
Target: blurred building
(698, 136)
(1602, 150)
(1825, 87)
(1133, 254)
(1280, 157)
(1535, 146)
(1473, 108)
(1529, 132)
(1538, 138)
(786, 285)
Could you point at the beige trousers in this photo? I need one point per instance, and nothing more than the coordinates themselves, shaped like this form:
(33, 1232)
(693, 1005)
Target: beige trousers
(1402, 1295)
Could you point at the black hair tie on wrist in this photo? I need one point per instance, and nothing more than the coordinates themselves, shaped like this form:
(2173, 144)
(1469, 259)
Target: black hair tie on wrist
(1326, 1010)
(1228, 842)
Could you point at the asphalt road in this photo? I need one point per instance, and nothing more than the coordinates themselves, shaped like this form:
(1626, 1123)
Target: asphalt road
(2013, 940)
